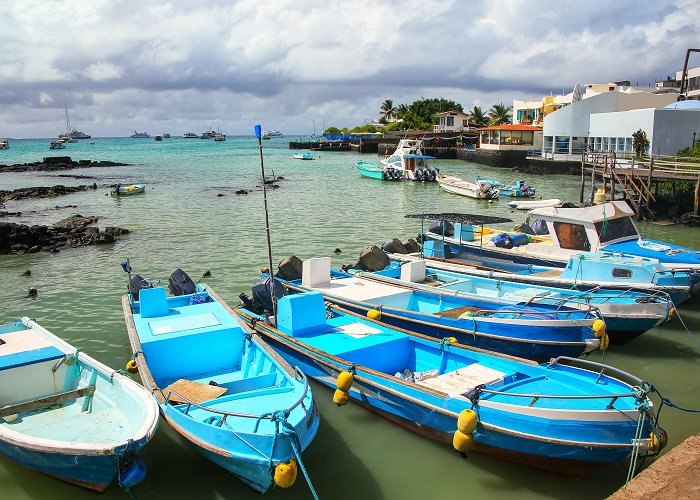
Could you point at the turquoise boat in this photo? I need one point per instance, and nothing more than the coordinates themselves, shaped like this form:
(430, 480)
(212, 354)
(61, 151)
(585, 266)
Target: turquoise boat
(566, 415)
(370, 170)
(303, 156)
(67, 415)
(223, 389)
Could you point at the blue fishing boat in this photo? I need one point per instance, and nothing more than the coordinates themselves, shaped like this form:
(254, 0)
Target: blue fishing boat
(369, 170)
(566, 415)
(67, 415)
(540, 330)
(627, 313)
(223, 389)
(519, 189)
(568, 232)
(303, 156)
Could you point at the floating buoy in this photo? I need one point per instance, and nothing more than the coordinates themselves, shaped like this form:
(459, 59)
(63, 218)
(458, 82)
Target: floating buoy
(604, 342)
(671, 312)
(374, 314)
(340, 398)
(658, 442)
(466, 422)
(285, 473)
(462, 442)
(131, 366)
(599, 328)
(344, 382)
(33, 292)
(206, 274)
(132, 474)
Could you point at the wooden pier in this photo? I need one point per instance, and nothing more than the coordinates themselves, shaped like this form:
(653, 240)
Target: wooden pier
(622, 176)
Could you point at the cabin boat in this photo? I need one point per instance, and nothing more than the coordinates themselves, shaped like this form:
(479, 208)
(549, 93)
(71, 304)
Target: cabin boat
(567, 415)
(57, 145)
(577, 231)
(140, 135)
(67, 415)
(158, 138)
(190, 135)
(369, 170)
(536, 330)
(223, 389)
(4, 144)
(269, 134)
(219, 137)
(409, 163)
(627, 313)
(481, 189)
(517, 190)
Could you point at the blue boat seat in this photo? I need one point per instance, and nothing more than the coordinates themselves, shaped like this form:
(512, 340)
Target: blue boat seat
(153, 302)
(301, 314)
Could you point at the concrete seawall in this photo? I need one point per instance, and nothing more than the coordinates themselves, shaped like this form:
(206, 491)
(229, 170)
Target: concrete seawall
(673, 476)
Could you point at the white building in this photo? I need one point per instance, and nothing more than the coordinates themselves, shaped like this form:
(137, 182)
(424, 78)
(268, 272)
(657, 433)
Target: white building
(452, 121)
(668, 129)
(511, 137)
(693, 82)
(533, 112)
(568, 129)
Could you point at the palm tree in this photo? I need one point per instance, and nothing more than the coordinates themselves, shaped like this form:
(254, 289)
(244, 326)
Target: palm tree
(388, 109)
(400, 111)
(477, 117)
(499, 114)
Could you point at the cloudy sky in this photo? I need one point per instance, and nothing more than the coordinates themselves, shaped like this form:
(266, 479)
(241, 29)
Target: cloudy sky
(182, 66)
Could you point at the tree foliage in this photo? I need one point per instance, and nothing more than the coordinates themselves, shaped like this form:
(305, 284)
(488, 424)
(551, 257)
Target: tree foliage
(478, 117)
(499, 114)
(640, 143)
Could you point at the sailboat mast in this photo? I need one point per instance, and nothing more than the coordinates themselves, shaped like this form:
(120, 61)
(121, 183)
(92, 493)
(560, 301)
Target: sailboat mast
(67, 121)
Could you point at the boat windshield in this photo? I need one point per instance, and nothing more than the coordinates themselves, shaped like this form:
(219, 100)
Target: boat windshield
(614, 229)
(572, 236)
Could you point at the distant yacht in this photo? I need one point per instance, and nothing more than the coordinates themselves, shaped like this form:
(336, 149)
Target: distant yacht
(72, 135)
(190, 135)
(4, 144)
(218, 137)
(158, 138)
(272, 133)
(57, 145)
(209, 134)
(139, 135)
(166, 136)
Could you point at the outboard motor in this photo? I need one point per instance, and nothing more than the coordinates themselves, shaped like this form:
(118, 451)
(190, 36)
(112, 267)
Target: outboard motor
(180, 283)
(262, 298)
(411, 245)
(540, 227)
(290, 269)
(137, 284)
(372, 259)
(524, 228)
(443, 228)
(394, 246)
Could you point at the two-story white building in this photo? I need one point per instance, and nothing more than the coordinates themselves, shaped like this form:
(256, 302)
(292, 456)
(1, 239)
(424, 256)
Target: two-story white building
(452, 121)
(693, 82)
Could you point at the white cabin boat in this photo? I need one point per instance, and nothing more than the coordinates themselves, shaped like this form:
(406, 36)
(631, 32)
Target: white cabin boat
(481, 189)
(4, 144)
(409, 163)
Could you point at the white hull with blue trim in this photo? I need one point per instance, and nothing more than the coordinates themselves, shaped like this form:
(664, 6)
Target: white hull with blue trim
(67, 415)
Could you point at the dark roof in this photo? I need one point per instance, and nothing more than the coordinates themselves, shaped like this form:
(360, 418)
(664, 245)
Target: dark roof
(476, 220)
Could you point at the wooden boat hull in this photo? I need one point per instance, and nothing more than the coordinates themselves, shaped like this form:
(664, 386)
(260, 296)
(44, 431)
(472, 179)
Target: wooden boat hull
(434, 414)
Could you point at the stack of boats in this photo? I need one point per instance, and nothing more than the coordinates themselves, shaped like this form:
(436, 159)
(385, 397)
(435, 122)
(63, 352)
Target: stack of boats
(479, 349)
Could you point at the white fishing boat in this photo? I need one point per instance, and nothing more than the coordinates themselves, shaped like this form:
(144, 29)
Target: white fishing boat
(481, 189)
(272, 133)
(189, 135)
(4, 144)
(532, 204)
(140, 135)
(57, 145)
(409, 163)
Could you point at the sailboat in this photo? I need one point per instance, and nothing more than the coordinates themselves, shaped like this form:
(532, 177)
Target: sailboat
(72, 135)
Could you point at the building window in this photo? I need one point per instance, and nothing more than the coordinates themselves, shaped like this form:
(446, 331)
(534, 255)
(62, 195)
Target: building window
(628, 145)
(465, 123)
(572, 236)
(613, 143)
(620, 143)
(450, 121)
(604, 145)
(562, 144)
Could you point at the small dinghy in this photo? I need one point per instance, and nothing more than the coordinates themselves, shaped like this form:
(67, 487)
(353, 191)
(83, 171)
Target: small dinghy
(67, 415)
(220, 387)
(369, 170)
(566, 415)
(303, 156)
(532, 204)
(130, 189)
(481, 189)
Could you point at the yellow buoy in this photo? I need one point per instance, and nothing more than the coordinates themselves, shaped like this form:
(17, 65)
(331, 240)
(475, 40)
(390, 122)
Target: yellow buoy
(374, 314)
(671, 312)
(340, 398)
(344, 381)
(462, 442)
(131, 366)
(604, 342)
(599, 328)
(452, 340)
(285, 473)
(658, 443)
(466, 422)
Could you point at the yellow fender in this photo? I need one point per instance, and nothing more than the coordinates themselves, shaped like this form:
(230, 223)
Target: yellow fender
(374, 314)
(466, 422)
(462, 442)
(340, 398)
(344, 381)
(285, 473)
(604, 342)
(131, 366)
(598, 328)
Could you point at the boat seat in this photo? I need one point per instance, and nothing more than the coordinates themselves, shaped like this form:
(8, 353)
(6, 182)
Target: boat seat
(196, 392)
(458, 311)
(153, 302)
(47, 401)
(25, 347)
(464, 379)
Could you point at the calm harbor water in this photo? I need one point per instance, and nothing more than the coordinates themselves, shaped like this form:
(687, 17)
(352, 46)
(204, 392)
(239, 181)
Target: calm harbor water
(182, 221)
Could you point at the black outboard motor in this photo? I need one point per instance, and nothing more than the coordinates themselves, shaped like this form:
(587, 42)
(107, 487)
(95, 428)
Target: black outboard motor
(137, 284)
(261, 293)
(290, 269)
(442, 228)
(394, 246)
(372, 259)
(180, 283)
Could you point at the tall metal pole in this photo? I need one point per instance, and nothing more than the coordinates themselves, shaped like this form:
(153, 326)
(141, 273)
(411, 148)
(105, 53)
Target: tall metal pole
(271, 281)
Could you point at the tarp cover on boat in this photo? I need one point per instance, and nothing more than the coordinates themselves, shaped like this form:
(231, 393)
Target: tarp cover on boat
(473, 219)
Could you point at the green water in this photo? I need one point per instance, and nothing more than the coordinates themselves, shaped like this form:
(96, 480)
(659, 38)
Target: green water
(321, 205)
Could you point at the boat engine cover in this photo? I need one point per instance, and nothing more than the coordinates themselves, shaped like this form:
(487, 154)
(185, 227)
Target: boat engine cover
(411, 245)
(443, 228)
(372, 259)
(261, 293)
(137, 284)
(180, 283)
(290, 269)
(394, 246)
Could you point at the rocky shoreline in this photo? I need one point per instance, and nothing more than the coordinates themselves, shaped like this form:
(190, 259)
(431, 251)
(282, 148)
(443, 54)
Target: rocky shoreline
(41, 192)
(53, 163)
(74, 231)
